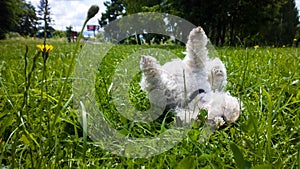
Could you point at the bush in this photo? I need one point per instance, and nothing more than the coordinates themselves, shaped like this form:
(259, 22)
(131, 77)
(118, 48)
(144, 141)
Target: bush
(11, 35)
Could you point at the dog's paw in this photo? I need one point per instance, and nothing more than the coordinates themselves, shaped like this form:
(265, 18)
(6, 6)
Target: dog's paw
(197, 37)
(232, 109)
(197, 53)
(147, 62)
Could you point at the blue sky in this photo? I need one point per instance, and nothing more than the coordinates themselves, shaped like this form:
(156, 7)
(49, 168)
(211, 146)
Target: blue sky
(73, 12)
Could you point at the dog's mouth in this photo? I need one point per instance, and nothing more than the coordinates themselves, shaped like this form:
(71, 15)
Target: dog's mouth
(219, 74)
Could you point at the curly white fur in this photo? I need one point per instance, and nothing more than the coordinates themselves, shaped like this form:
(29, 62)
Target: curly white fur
(178, 80)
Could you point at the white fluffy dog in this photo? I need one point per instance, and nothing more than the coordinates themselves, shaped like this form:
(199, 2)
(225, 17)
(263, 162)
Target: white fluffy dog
(194, 83)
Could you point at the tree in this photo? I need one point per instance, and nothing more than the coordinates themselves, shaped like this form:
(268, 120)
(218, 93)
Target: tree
(114, 10)
(135, 6)
(229, 22)
(59, 34)
(44, 15)
(9, 10)
(288, 23)
(27, 20)
(165, 6)
(17, 16)
(69, 30)
(248, 22)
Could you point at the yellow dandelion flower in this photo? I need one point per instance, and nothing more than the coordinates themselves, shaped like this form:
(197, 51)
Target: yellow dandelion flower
(47, 48)
(256, 47)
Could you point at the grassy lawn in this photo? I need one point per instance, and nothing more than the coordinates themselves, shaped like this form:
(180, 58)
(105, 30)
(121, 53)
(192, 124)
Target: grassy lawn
(44, 129)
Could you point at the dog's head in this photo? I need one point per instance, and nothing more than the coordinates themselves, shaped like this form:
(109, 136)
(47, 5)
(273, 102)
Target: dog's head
(217, 68)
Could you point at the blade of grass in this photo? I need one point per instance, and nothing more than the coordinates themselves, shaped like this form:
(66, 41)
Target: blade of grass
(84, 126)
(238, 156)
(269, 123)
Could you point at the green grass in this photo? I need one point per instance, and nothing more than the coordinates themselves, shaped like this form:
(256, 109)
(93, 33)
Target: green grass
(265, 136)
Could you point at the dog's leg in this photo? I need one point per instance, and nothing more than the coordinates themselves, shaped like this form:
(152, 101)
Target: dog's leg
(151, 73)
(197, 53)
(195, 62)
(156, 80)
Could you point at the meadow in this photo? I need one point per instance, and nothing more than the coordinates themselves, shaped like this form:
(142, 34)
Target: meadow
(41, 127)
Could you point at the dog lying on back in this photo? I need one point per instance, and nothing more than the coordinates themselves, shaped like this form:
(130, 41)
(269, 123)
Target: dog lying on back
(194, 83)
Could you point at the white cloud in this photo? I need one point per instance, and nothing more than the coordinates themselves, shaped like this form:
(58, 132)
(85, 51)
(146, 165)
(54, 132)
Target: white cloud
(71, 12)
(298, 4)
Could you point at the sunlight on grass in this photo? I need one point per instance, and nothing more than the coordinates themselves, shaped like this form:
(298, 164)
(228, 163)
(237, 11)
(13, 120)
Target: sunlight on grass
(265, 136)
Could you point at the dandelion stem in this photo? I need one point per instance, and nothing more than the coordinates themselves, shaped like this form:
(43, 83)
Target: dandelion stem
(25, 75)
(63, 89)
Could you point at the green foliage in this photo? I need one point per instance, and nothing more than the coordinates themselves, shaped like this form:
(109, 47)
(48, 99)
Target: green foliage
(29, 128)
(228, 22)
(59, 34)
(238, 156)
(44, 20)
(27, 20)
(8, 16)
(11, 35)
(17, 16)
(100, 36)
(265, 136)
(44, 13)
(135, 6)
(114, 9)
(69, 30)
(187, 162)
(289, 23)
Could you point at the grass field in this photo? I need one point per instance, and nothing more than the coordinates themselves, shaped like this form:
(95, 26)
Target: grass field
(41, 128)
